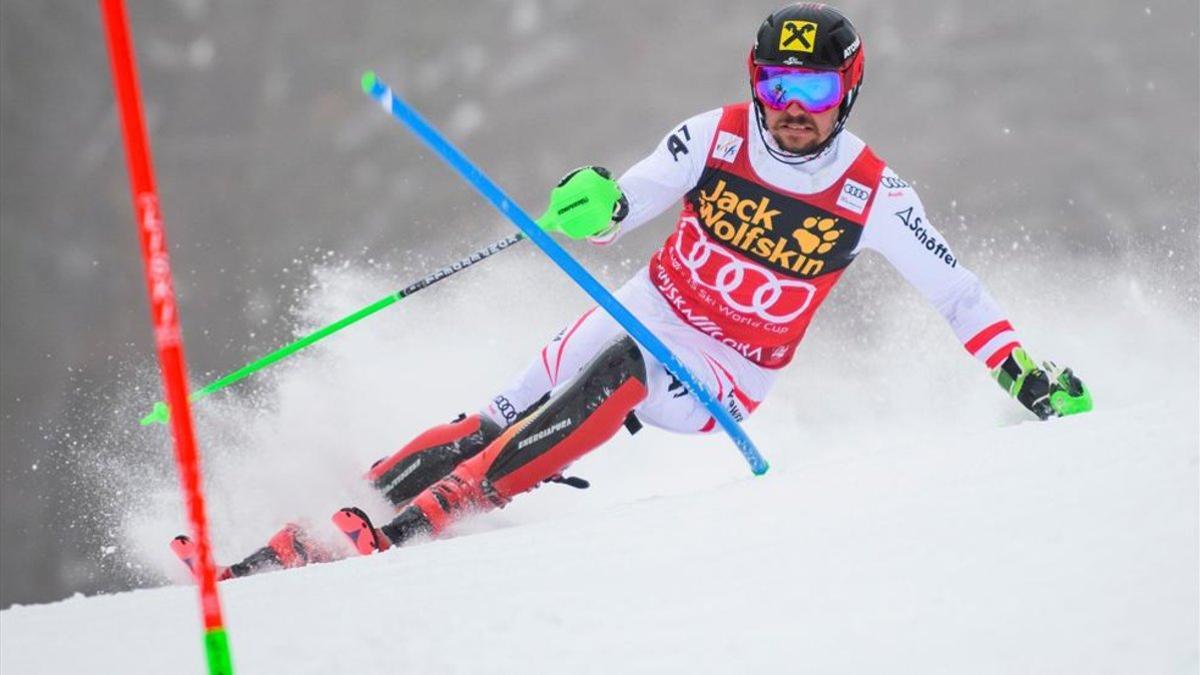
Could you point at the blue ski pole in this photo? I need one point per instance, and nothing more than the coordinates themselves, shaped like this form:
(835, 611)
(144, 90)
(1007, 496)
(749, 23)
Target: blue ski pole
(376, 89)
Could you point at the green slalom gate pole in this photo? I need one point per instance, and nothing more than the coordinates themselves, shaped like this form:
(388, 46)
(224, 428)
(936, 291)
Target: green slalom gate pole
(161, 412)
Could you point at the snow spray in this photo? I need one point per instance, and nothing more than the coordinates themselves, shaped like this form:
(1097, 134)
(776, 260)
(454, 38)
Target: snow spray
(161, 411)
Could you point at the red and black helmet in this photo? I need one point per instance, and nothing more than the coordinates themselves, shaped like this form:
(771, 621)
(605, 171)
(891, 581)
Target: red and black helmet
(816, 37)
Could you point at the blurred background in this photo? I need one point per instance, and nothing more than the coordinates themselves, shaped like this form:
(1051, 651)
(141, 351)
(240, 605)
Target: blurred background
(1055, 144)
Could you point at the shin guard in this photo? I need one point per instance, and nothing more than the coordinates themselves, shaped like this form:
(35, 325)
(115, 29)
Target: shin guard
(431, 456)
(577, 417)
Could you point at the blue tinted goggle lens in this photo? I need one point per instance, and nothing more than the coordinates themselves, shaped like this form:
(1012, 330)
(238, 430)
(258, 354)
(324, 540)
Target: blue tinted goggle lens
(815, 90)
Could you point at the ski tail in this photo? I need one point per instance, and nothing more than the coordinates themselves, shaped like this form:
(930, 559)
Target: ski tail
(356, 525)
(288, 548)
(188, 553)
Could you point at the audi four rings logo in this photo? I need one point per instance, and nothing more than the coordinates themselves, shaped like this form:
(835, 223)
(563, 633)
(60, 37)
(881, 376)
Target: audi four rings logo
(728, 279)
(854, 196)
(855, 191)
(505, 408)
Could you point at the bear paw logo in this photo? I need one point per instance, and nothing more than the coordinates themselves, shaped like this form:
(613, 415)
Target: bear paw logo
(818, 235)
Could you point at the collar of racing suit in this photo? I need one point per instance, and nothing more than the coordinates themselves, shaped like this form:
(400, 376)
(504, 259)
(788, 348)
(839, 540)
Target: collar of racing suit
(804, 163)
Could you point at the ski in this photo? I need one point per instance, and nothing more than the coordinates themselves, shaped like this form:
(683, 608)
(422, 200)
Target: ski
(288, 548)
(188, 553)
(356, 525)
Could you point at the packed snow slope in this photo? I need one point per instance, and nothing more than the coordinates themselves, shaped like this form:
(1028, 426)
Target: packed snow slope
(1035, 548)
(915, 520)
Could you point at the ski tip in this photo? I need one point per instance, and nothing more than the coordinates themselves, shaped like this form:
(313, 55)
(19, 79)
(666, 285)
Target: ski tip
(368, 81)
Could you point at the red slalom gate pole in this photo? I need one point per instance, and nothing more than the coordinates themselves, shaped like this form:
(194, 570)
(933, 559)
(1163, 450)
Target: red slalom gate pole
(168, 338)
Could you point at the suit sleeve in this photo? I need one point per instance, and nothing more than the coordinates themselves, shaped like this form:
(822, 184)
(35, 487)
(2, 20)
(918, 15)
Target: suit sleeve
(898, 229)
(662, 179)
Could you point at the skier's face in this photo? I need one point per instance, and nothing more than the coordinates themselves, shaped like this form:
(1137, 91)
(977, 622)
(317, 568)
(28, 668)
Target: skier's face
(798, 131)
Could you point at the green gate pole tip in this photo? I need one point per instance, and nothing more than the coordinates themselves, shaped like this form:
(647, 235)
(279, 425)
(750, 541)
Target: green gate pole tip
(159, 415)
(763, 470)
(368, 81)
(216, 647)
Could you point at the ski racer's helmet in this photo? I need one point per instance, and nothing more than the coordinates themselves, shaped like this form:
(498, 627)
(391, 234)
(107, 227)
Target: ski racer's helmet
(810, 37)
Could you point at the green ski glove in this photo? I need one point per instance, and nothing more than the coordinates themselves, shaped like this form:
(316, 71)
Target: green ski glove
(586, 203)
(1047, 392)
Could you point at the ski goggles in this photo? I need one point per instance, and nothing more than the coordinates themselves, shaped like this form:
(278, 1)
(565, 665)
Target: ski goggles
(815, 90)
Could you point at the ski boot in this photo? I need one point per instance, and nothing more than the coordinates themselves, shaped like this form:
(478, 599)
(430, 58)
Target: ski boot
(288, 548)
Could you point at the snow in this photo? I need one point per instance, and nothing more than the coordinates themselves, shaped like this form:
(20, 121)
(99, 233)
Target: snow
(914, 519)
(1034, 548)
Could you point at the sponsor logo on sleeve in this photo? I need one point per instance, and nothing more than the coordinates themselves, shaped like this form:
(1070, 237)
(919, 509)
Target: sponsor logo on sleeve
(727, 146)
(854, 196)
(798, 36)
(893, 185)
(915, 224)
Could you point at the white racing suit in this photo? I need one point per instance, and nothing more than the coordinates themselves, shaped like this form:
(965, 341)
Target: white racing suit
(756, 249)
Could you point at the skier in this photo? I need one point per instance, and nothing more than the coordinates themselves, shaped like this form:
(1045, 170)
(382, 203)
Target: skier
(778, 199)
